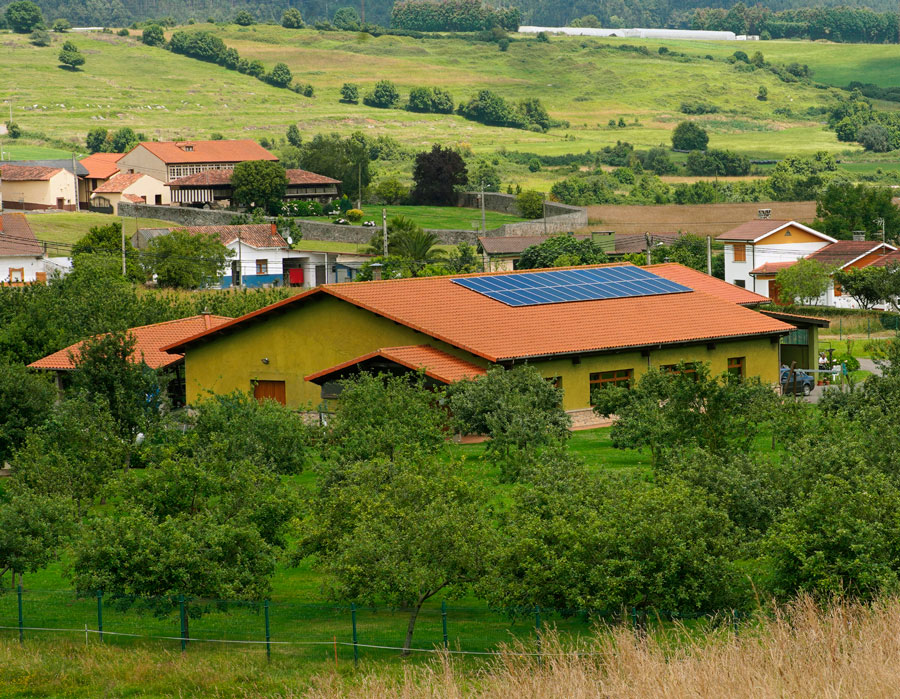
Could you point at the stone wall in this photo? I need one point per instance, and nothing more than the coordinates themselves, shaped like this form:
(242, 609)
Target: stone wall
(561, 219)
(179, 215)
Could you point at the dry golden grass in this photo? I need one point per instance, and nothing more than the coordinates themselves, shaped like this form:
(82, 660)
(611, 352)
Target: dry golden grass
(702, 219)
(844, 651)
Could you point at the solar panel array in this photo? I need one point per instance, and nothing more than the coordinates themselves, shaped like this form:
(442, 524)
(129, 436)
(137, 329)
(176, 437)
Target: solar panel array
(564, 286)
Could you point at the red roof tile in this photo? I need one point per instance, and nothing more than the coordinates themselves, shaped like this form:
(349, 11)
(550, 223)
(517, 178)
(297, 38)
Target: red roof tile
(514, 244)
(16, 237)
(135, 199)
(772, 267)
(752, 231)
(306, 177)
(892, 258)
(27, 173)
(256, 235)
(843, 252)
(101, 166)
(119, 183)
(175, 152)
(149, 339)
(223, 177)
(700, 281)
(436, 364)
(449, 312)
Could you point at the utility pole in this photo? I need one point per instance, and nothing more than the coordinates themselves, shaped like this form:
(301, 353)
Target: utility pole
(77, 194)
(384, 235)
(359, 185)
(482, 208)
(240, 274)
(880, 222)
(544, 212)
(709, 255)
(123, 246)
(647, 239)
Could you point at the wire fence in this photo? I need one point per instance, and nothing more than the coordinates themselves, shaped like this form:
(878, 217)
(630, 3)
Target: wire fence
(330, 632)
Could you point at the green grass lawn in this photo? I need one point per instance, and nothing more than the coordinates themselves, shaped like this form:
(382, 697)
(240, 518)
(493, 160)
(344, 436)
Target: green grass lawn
(586, 82)
(440, 216)
(16, 151)
(326, 246)
(69, 227)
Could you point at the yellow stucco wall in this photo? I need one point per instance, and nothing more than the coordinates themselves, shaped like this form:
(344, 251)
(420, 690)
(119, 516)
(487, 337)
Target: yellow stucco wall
(325, 331)
(797, 235)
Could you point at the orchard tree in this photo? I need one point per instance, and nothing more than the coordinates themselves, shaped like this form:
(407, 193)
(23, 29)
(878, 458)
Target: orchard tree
(868, 286)
(805, 281)
(107, 241)
(32, 529)
(385, 417)
(259, 183)
(182, 260)
(562, 248)
(398, 532)
(23, 16)
(28, 398)
(437, 173)
(209, 528)
(689, 136)
(70, 56)
(674, 408)
(518, 408)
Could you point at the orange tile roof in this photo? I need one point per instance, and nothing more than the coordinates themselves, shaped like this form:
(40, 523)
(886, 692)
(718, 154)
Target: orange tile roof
(119, 183)
(149, 340)
(772, 267)
(843, 252)
(257, 235)
(174, 152)
(16, 237)
(306, 177)
(700, 281)
(436, 364)
(27, 173)
(439, 308)
(892, 258)
(101, 166)
(223, 177)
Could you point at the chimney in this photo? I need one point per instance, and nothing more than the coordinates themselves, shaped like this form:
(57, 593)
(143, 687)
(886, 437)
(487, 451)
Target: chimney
(764, 214)
(376, 271)
(274, 228)
(206, 318)
(859, 235)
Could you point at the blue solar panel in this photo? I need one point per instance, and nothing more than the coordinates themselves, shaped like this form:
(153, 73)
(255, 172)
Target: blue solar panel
(537, 288)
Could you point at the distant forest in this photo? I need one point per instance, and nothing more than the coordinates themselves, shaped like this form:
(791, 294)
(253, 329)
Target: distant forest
(610, 13)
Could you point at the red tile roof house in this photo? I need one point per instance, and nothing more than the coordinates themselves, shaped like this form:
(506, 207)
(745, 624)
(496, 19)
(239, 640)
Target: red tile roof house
(262, 257)
(840, 255)
(100, 168)
(35, 187)
(134, 187)
(451, 330)
(149, 339)
(22, 259)
(213, 186)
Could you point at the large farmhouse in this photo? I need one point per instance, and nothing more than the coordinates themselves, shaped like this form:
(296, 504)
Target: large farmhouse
(583, 328)
(170, 160)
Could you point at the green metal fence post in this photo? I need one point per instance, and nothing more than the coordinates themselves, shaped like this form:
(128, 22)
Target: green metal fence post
(268, 636)
(355, 647)
(21, 617)
(100, 614)
(183, 615)
(444, 622)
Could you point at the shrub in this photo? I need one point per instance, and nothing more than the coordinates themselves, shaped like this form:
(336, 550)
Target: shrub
(244, 18)
(153, 35)
(503, 44)
(355, 215)
(383, 96)
(534, 165)
(347, 19)
(530, 203)
(61, 25)
(698, 108)
(763, 93)
(13, 130)
(391, 191)
(40, 37)
(70, 56)
(350, 93)
(543, 37)
(430, 100)
(280, 75)
(292, 19)
(123, 32)
(689, 136)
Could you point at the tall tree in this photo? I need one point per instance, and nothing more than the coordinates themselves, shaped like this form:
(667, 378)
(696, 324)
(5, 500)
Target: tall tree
(843, 208)
(259, 183)
(107, 241)
(183, 260)
(805, 281)
(437, 174)
(27, 398)
(23, 16)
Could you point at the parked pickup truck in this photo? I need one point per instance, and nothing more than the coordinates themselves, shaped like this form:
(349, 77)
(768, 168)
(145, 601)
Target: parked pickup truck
(801, 382)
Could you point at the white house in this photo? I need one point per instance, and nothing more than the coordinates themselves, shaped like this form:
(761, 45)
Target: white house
(262, 257)
(756, 250)
(134, 187)
(22, 258)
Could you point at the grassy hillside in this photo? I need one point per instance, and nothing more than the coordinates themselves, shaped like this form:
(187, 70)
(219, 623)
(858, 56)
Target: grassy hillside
(586, 82)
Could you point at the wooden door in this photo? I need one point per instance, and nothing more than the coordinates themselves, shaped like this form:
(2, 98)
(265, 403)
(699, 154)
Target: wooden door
(774, 293)
(269, 390)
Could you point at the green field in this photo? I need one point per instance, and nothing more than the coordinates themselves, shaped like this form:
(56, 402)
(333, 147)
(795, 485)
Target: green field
(439, 216)
(586, 82)
(12, 150)
(69, 227)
